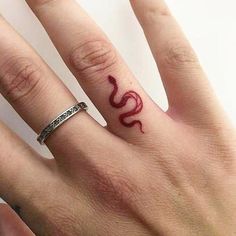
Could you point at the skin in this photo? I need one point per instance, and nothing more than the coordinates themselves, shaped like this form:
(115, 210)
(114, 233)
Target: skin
(176, 178)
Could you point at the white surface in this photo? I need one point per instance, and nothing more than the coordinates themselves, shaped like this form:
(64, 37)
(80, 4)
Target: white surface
(209, 25)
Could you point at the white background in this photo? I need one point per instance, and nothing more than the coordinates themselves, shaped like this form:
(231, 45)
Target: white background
(210, 25)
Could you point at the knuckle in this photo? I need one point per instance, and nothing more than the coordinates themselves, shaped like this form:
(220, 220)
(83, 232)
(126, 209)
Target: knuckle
(152, 14)
(59, 221)
(178, 55)
(114, 189)
(92, 58)
(40, 3)
(19, 78)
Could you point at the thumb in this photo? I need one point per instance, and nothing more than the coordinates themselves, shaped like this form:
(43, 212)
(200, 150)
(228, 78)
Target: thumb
(11, 224)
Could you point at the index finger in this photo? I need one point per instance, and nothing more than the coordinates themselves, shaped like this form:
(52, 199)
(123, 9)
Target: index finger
(189, 93)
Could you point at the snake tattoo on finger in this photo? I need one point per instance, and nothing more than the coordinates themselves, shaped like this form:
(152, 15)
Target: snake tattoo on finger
(122, 103)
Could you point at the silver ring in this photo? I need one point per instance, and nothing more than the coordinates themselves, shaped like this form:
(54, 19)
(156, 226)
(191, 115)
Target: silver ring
(59, 120)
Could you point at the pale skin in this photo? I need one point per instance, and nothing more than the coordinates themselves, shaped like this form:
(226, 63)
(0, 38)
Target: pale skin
(171, 173)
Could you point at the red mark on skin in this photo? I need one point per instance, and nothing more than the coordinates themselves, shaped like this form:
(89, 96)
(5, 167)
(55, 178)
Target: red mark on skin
(128, 95)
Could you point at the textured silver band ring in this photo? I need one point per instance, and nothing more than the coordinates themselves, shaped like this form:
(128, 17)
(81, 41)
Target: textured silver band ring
(59, 120)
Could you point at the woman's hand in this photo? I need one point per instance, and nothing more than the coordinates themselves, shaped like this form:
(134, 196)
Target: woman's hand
(149, 172)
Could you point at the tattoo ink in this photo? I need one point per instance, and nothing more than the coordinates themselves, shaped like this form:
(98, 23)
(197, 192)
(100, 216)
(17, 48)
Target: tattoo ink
(124, 99)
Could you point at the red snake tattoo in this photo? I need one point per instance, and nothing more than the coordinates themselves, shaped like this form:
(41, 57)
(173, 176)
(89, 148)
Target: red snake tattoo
(124, 99)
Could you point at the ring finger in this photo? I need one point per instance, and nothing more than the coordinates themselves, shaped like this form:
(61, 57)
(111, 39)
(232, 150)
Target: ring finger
(34, 90)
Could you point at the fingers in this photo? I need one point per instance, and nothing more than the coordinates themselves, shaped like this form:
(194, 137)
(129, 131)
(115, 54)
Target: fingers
(183, 78)
(11, 224)
(99, 69)
(35, 92)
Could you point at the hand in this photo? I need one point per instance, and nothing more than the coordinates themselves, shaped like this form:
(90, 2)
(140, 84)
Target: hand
(149, 172)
